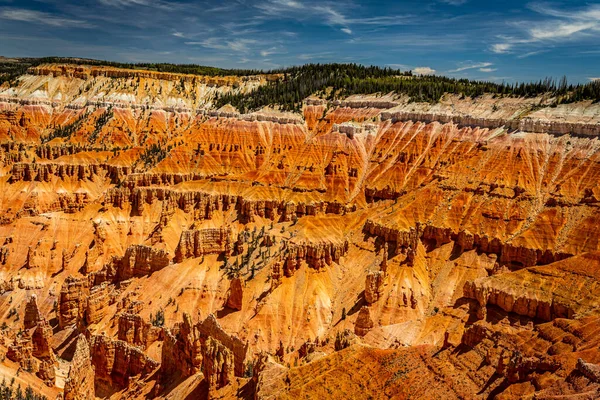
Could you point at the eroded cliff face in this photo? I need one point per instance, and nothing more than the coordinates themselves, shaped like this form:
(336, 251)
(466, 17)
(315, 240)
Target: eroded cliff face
(161, 247)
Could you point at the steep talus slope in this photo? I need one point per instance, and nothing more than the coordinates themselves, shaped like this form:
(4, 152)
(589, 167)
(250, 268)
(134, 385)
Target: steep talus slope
(370, 247)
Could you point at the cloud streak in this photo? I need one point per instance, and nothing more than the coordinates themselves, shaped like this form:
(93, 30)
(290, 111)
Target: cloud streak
(470, 65)
(39, 17)
(328, 13)
(556, 26)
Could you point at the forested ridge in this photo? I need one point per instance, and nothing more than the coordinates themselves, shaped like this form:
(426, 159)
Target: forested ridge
(334, 81)
(342, 80)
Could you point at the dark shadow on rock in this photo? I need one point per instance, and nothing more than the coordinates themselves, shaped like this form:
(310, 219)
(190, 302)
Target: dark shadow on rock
(225, 311)
(199, 392)
(247, 391)
(358, 305)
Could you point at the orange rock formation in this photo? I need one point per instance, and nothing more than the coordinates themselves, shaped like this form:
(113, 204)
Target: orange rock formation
(369, 247)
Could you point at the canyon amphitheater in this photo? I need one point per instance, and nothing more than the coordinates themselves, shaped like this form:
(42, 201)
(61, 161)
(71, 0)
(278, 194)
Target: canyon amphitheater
(153, 245)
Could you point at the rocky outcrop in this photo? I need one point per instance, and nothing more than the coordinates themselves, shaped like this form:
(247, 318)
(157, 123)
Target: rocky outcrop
(50, 152)
(316, 254)
(40, 340)
(405, 241)
(589, 370)
(353, 130)
(344, 339)
(541, 292)
(79, 384)
(523, 125)
(32, 313)
(116, 362)
(195, 243)
(374, 286)
(72, 301)
(97, 303)
(276, 275)
(45, 172)
(204, 203)
(210, 328)
(31, 348)
(136, 331)
(217, 363)
(182, 350)
(236, 294)
(363, 323)
(42, 350)
(21, 352)
(138, 260)
(89, 72)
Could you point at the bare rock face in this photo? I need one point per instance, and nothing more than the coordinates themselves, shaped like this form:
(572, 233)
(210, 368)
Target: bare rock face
(72, 301)
(276, 275)
(47, 372)
(373, 286)
(138, 260)
(41, 341)
(32, 313)
(210, 328)
(384, 258)
(542, 292)
(589, 370)
(182, 350)
(217, 363)
(316, 254)
(344, 339)
(236, 294)
(32, 349)
(363, 323)
(21, 352)
(266, 370)
(115, 361)
(79, 384)
(97, 303)
(136, 331)
(34, 258)
(194, 243)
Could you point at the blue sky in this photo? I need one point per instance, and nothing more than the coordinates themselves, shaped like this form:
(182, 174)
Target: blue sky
(494, 40)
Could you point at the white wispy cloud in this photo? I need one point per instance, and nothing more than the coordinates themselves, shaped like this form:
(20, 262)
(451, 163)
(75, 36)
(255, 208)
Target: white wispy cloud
(39, 17)
(424, 71)
(470, 65)
(328, 14)
(164, 5)
(272, 50)
(315, 56)
(237, 45)
(594, 79)
(558, 26)
(454, 2)
(488, 69)
(502, 48)
(398, 66)
(531, 53)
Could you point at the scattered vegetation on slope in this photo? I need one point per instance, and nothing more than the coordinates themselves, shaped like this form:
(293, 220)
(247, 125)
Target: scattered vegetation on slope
(12, 391)
(348, 79)
(153, 155)
(65, 131)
